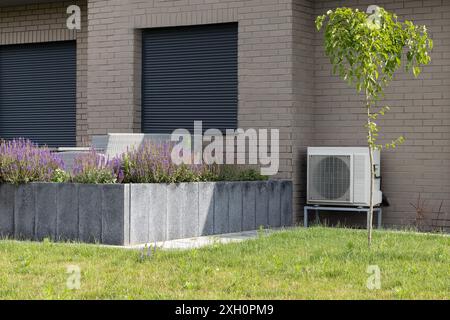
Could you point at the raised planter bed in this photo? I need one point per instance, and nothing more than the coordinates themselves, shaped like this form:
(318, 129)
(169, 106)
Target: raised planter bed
(123, 214)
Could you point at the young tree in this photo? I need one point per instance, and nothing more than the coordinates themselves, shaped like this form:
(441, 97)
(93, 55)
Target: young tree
(366, 49)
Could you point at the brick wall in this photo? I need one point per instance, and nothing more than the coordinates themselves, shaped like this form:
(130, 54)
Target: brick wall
(45, 23)
(420, 110)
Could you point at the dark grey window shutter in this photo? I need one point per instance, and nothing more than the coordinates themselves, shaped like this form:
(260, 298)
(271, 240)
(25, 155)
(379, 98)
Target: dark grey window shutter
(38, 92)
(190, 73)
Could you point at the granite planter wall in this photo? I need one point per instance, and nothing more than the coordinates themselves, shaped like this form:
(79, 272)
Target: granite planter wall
(124, 214)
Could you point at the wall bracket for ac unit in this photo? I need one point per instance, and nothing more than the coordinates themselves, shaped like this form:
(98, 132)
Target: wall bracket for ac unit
(317, 208)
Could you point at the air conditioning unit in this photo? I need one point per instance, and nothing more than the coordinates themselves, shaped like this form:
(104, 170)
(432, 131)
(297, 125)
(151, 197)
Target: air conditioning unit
(341, 176)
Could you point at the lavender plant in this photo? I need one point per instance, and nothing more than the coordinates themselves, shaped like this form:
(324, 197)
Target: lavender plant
(151, 163)
(95, 168)
(22, 161)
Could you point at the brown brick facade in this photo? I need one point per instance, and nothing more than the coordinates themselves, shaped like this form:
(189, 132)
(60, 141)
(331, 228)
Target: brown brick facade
(285, 82)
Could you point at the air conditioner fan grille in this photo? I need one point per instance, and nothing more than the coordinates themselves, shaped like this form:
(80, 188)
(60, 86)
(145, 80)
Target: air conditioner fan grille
(329, 178)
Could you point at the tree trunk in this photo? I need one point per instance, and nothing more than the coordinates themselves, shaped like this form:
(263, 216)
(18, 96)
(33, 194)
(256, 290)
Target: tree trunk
(372, 173)
(372, 187)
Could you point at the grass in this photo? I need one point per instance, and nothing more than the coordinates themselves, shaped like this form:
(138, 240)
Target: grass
(315, 263)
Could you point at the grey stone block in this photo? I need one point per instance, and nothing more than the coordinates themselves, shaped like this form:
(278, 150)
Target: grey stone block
(248, 206)
(235, 206)
(126, 214)
(221, 218)
(24, 212)
(113, 209)
(175, 204)
(7, 195)
(274, 188)
(206, 208)
(189, 220)
(286, 203)
(46, 208)
(158, 212)
(262, 204)
(90, 212)
(139, 215)
(67, 212)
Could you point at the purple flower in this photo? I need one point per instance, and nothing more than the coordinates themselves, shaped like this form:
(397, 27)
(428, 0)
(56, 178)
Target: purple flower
(22, 161)
(93, 167)
(151, 163)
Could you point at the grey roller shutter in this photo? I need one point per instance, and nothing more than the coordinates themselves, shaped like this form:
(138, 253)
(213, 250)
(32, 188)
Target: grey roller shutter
(190, 73)
(38, 92)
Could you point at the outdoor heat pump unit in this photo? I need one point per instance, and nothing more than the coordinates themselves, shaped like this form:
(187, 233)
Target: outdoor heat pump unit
(341, 176)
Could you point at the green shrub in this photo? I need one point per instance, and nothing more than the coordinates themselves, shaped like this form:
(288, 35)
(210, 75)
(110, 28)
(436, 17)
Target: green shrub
(95, 176)
(238, 173)
(61, 176)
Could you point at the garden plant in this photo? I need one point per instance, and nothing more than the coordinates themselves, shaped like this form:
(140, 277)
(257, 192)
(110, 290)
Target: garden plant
(22, 161)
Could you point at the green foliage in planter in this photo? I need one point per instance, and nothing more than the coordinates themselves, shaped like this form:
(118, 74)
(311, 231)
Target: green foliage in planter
(95, 176)
(61, 176)
(237, 173)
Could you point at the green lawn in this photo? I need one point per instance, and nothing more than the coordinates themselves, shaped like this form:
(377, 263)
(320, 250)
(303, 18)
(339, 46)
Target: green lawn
(315, 263)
